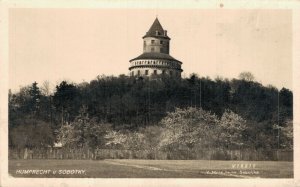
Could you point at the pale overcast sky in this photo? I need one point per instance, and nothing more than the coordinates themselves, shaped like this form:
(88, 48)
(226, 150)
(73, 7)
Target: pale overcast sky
(79, 44)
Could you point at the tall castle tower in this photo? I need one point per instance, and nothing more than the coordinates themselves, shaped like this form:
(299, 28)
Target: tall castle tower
(155, 59)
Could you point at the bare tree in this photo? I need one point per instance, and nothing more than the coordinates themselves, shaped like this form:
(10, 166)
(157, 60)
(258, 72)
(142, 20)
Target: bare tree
(247, 76)
(45, 88)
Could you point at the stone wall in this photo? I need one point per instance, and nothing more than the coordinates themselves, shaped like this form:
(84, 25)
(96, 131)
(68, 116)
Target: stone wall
(159, 45)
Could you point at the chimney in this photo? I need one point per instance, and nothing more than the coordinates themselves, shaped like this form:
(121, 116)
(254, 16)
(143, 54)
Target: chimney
(165, 32)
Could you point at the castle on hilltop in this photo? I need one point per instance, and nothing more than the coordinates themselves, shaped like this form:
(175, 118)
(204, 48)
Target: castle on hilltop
(155, 59)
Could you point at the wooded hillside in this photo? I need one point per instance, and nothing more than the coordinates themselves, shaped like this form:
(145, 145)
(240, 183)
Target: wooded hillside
(119, 111)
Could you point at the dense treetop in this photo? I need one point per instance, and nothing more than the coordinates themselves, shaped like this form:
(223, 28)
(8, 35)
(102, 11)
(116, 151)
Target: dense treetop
(130, 104)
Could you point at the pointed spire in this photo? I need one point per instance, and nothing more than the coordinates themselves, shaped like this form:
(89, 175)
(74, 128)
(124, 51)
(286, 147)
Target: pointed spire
(156, 30)
(156, 27)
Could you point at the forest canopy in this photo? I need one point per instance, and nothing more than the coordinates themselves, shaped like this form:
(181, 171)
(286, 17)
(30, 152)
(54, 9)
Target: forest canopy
(125, 111)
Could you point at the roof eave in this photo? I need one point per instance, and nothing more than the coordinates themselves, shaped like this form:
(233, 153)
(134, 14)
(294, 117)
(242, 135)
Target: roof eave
(137, 58)
(155, 36)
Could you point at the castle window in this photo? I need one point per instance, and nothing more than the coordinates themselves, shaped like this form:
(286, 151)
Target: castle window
(171, 73)
(155, 72)
(163, 72)
(138, 73)
(154, 62)
(132, 73)
(146, 72)
(152, 41)
(148, 62)
(152, 49)
(161, 42)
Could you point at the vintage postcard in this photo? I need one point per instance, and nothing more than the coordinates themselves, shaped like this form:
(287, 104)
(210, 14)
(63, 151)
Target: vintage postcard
(149, 93)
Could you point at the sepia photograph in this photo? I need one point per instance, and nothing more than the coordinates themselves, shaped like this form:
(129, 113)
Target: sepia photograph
(144, 93)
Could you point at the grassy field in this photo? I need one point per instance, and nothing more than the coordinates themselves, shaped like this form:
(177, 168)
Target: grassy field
(118, 168)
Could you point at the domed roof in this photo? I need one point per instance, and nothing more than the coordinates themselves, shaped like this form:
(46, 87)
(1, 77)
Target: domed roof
(155, 55)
